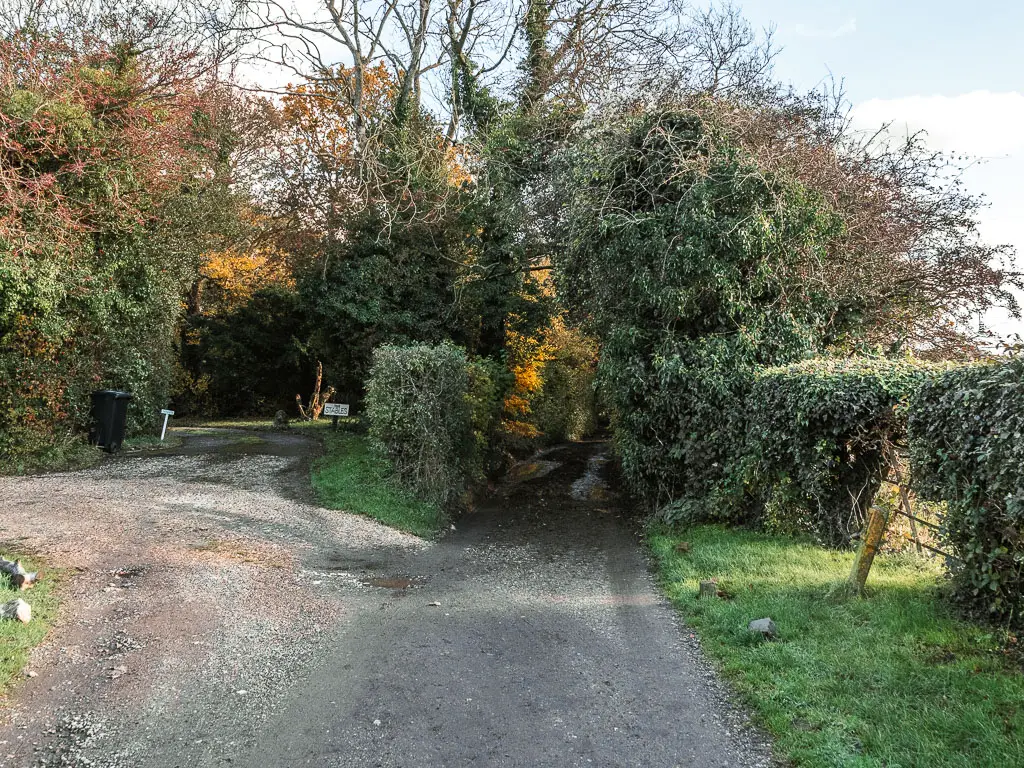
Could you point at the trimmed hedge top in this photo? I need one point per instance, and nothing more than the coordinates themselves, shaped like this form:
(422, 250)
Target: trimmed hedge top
(818, 435)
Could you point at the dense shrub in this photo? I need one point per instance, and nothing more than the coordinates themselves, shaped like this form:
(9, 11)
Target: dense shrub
(421, 417)
(108, 173)
(822, 435)
(251, 360)
(489, 381)
(681, 254)
(566, 407)
(967, 447)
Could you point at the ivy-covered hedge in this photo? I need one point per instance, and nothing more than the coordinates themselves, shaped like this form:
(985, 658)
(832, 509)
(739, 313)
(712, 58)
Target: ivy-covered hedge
(818, 436)
(967, 448)
(678, 252)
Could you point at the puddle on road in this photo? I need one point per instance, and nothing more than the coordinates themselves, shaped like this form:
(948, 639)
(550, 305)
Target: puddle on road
(591, 486)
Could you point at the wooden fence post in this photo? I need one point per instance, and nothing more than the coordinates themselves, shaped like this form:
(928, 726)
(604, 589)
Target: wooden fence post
(878, 521)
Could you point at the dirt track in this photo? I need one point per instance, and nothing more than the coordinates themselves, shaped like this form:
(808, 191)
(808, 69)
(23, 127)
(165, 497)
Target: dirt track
(215, 616)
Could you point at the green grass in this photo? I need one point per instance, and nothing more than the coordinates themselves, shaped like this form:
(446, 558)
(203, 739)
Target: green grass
(321, 424)
(892, 680)
(17, 639)
(60, 456)
(351, 478)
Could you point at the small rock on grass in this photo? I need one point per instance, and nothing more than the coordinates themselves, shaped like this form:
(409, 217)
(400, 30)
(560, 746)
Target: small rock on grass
(16, 609)
(764, 627)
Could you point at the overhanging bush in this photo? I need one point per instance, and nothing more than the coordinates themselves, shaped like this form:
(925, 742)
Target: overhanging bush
(822, 436)
(421, 418)
(489, 380)
(680, 254)
(967, 448)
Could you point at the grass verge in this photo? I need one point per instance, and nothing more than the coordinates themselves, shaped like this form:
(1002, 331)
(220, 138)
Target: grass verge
(262, 425)
(351, 478)
(75, 453)
(17, 639)
(60, 456)
(892, 680)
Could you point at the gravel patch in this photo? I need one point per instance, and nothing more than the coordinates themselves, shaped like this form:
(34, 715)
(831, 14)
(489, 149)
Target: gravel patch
(187, 602)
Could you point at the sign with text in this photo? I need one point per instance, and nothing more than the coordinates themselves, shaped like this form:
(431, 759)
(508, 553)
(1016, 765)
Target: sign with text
(166, 412)
(336, 409)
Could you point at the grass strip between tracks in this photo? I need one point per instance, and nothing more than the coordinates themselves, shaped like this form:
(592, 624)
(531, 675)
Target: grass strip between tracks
(350, 477)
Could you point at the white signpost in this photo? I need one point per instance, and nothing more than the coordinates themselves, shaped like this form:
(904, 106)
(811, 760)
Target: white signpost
(167, 414)
(334, 410)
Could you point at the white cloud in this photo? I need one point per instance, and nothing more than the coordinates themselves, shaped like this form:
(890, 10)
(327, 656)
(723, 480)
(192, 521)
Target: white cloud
(848, 27)
(982, 123)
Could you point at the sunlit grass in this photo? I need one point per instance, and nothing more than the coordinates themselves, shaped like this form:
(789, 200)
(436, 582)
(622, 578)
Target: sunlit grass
(17, 639)
(350, 477)
(321, 424)
(892, 680)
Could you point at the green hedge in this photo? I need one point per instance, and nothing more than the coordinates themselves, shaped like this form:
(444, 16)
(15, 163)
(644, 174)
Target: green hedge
(432, 413)
(817, 439)
(967, 448)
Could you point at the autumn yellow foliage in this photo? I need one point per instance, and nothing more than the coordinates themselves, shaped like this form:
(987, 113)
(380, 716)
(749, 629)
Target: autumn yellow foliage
(231, 277)
(550, 367)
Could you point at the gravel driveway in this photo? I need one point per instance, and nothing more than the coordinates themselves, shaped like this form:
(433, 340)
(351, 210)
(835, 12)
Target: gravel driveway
(215, 616)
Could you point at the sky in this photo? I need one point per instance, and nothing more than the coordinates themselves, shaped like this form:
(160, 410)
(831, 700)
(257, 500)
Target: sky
(953, 69)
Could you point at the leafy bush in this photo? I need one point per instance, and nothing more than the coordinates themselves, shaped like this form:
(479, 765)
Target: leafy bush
(821, 436)
(681, 255)
(107, 201)
(489, 380)
(421, 418)
(967, 447)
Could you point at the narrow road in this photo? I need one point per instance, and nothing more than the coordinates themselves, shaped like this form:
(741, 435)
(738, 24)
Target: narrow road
(532, 635)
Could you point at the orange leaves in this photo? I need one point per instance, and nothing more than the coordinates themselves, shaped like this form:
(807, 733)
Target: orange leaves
(234, 276)
(321, 118)
(527, 355)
